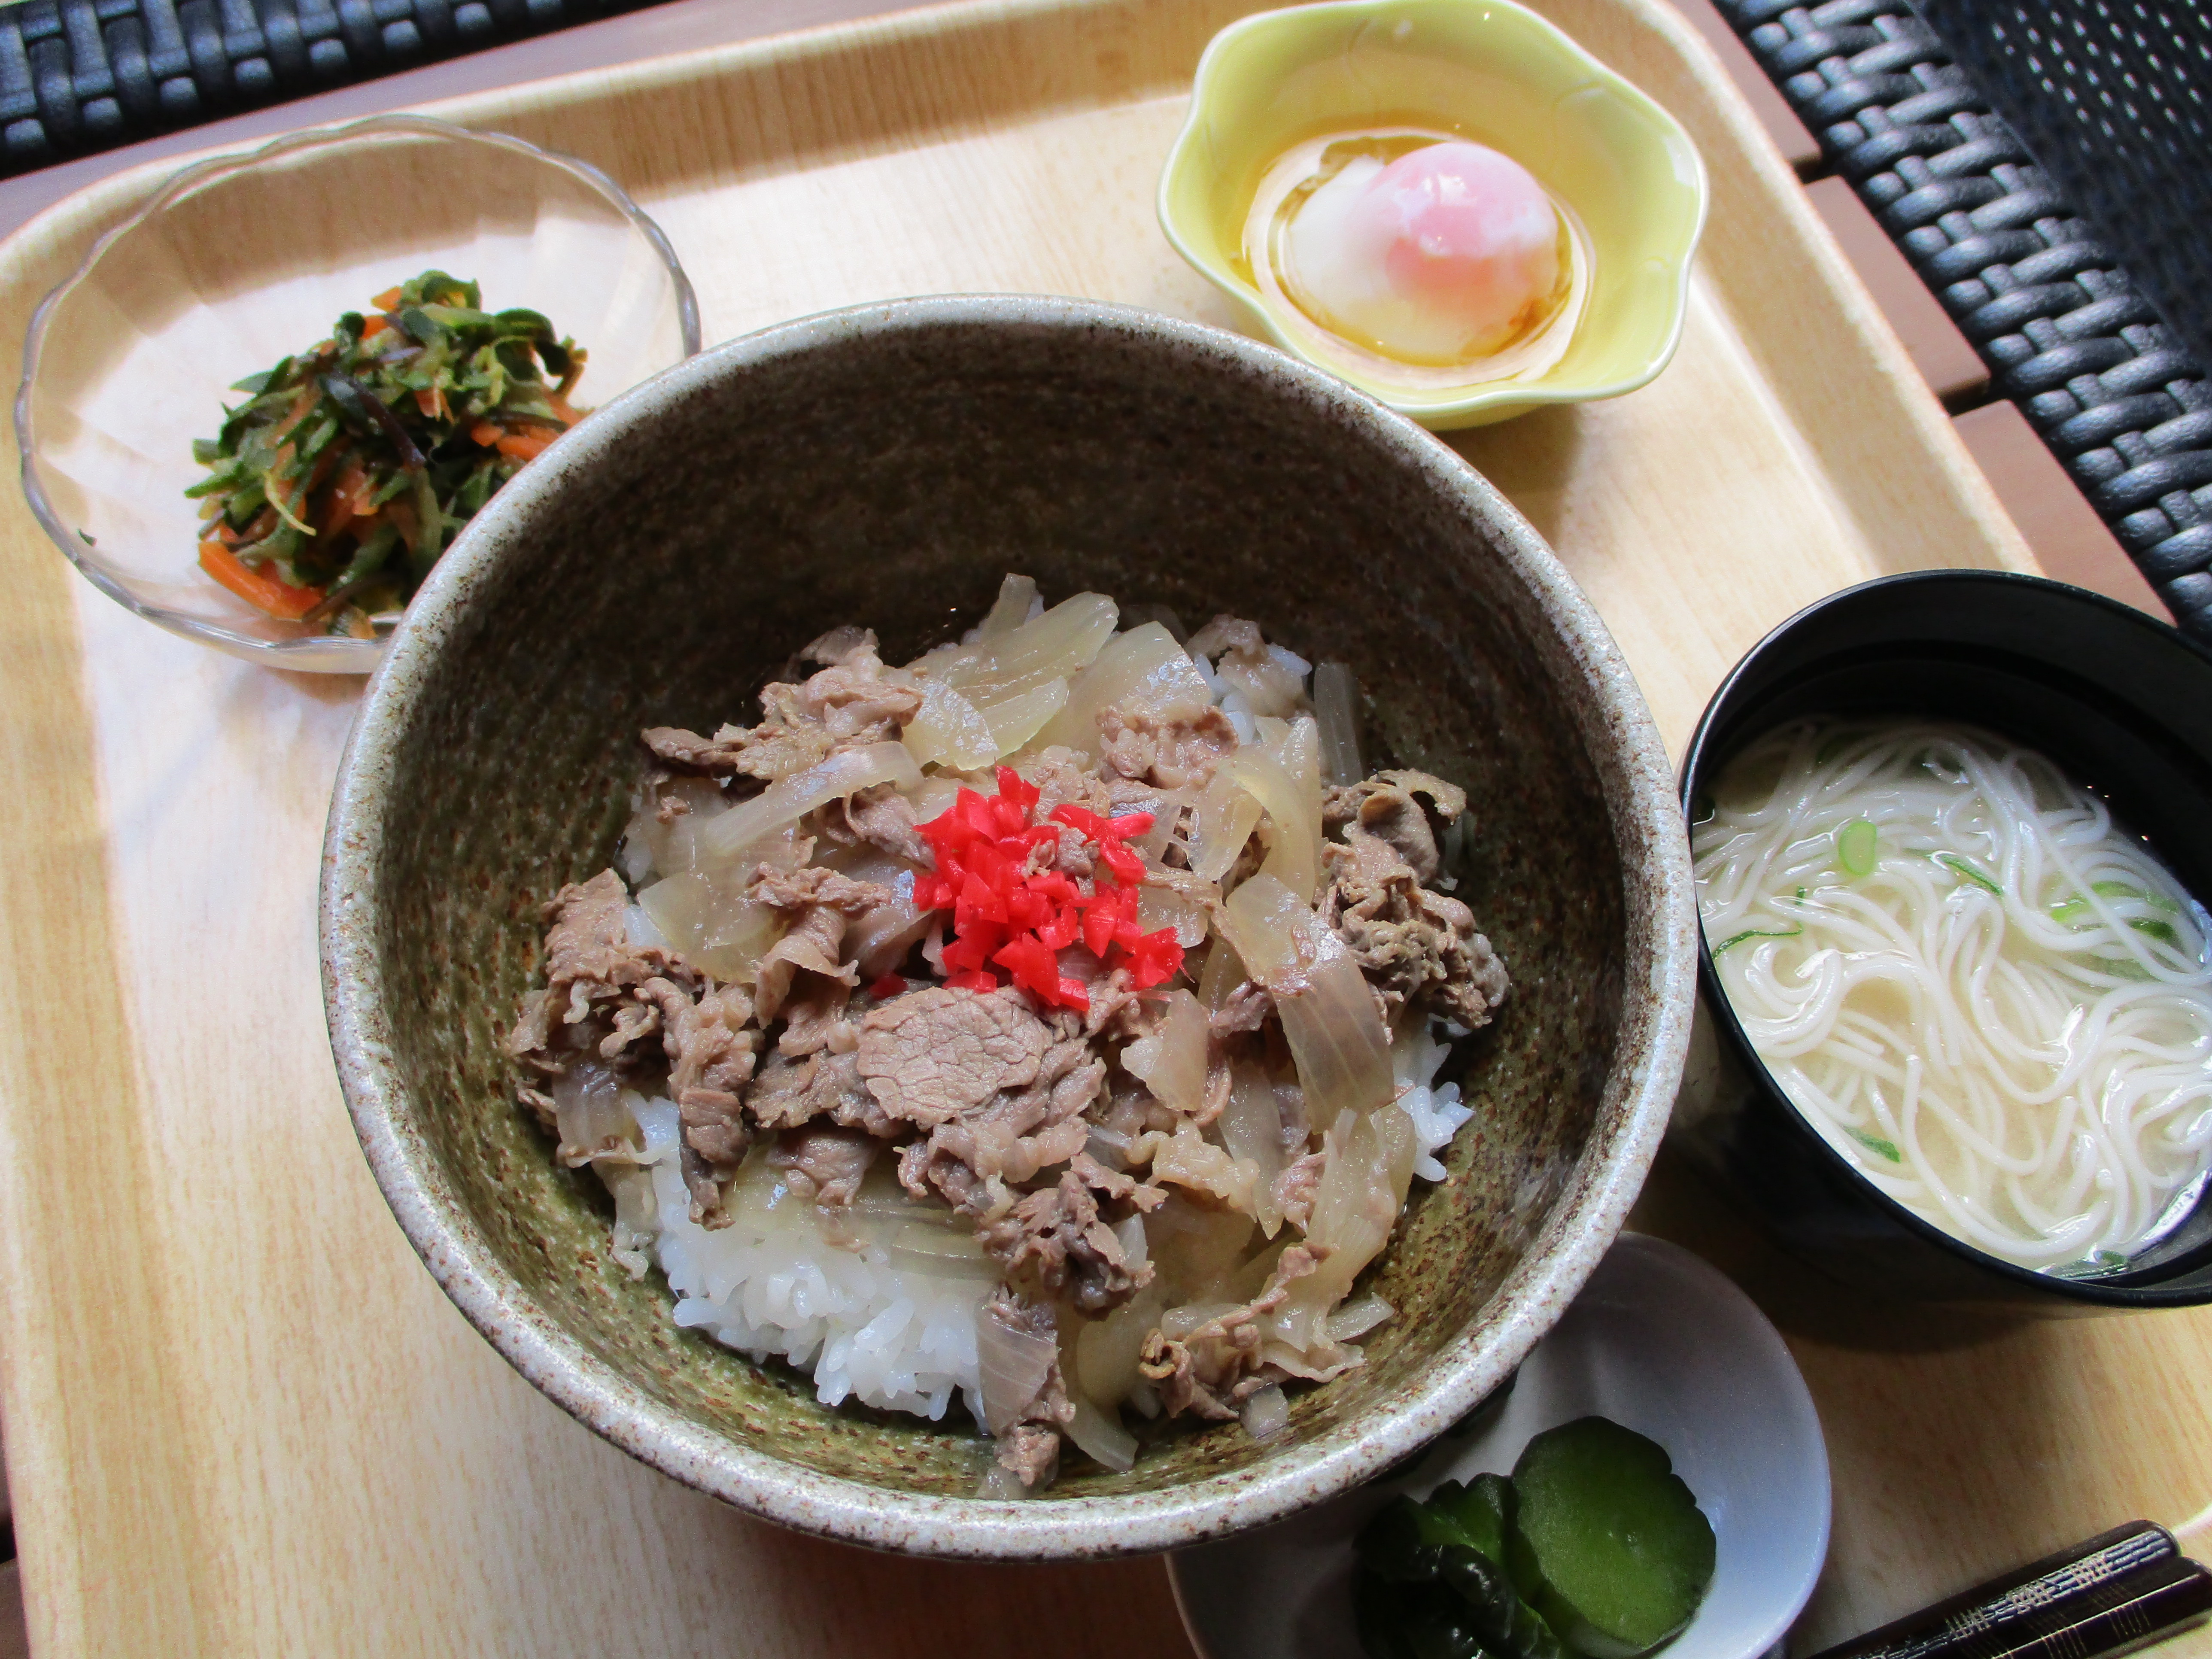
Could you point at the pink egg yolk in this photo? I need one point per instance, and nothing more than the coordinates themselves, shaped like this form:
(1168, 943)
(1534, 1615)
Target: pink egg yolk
(1466, 228)
(1450, 252)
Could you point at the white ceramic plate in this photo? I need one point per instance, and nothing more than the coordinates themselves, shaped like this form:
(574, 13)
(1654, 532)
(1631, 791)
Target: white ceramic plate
(1659, 1342)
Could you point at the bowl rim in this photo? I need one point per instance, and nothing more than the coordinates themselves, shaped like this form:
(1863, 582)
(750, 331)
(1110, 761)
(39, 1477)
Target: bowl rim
(1631, 767)
(311, 654)
(1470, 407)
(2106, 1293)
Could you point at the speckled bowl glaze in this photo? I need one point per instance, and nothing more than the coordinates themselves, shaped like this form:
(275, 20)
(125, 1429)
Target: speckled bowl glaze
(886, 465)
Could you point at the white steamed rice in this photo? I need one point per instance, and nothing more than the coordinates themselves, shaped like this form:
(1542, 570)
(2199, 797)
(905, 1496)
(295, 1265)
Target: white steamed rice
(896, 1334)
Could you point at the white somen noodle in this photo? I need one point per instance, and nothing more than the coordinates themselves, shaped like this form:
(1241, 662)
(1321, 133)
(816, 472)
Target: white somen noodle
(1973, 983)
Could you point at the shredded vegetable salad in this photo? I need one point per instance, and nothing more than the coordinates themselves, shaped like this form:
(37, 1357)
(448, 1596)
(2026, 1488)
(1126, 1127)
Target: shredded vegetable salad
(349, 467)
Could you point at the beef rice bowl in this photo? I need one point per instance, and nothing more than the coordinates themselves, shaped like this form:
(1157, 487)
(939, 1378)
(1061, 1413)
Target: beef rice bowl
(1045, 1030)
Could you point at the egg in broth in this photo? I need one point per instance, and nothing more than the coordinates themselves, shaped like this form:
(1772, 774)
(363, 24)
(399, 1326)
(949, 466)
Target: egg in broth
(1418, 257)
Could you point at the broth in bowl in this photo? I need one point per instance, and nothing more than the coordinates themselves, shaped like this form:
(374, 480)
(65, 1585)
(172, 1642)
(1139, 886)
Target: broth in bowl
(1970, 979)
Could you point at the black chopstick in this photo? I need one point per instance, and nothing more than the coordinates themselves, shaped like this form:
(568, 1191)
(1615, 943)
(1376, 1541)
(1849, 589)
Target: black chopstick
(2111, 1595)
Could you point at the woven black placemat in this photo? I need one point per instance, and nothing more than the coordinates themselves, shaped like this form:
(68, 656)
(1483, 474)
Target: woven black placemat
(2113, 386)
(79, 76)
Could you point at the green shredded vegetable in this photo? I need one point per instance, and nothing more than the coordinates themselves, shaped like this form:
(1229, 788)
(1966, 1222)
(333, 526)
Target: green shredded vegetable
(348, 469)
(1875, 1144)
(1756, 932)
(2073, 908)
(1978, 877)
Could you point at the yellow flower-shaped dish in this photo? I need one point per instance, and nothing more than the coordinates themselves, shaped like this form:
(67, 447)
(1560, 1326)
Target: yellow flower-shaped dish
(1487, 70)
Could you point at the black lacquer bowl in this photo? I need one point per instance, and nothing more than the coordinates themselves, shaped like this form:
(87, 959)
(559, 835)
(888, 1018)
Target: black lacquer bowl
(2122, 702)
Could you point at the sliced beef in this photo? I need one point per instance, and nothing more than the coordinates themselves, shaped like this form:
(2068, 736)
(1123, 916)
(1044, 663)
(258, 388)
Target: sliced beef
(813, 887)
(1217, 1367)
(1416, 945)
(826, 1165)
(1249, 1008)
(1171, 753)
(972, 1160)
(715, 1128)
(1269, 686)
(1295, 1188)
(710, 1042)
(880, 817)
(601, 991)
(1072, 855)
(1232, 634)
(1061, 779)
(847, 703)
(1031, 1452)
(816, 1020)
(819, 902)
(788, 1093)
(936, 1054)
(1115, 1185)
(1027, 1430)
(850, 699)
(711, 1049)
(1387, 807)
(767, 751)
(1118, 1009)
(589, 961)
(1054, 1239)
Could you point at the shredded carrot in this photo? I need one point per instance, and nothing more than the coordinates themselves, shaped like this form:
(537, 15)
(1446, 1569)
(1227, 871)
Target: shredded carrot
(281, 489)
(309, 395)
(373, 327)
(568, 416)
(385, 300)
(431, 402)
(258, 588)
(524, 445)
(349, 499)
(401, 514)
(486, 432)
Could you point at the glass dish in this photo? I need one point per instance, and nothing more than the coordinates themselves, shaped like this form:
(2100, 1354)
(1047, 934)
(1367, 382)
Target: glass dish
(240, 260)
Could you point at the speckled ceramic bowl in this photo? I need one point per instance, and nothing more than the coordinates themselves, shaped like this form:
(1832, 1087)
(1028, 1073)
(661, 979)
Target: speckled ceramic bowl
(886, 465)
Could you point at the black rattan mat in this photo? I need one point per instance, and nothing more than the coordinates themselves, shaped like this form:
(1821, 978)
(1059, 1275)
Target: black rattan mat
(79, 76)
(2110, 92)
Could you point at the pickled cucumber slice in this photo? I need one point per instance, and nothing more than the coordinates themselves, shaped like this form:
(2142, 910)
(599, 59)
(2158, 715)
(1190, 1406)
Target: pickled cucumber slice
(1606, 1540)
(1481, 1509)
(1456, 1542)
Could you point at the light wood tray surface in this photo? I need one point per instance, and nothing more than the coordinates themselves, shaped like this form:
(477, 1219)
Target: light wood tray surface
(241, 1419)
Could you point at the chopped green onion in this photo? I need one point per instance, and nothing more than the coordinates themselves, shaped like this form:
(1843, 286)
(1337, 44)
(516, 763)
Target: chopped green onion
(1756, 932)
(1969, 872)
(2068, 909)
(1874, 1144)
(1856, 846)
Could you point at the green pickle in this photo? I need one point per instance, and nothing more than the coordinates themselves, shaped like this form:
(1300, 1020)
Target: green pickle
(1595, 1549)
(1432, 1578)
(1607, 1542)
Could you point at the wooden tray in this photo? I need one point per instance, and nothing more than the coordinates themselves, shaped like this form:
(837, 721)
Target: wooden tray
(242, 1419)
